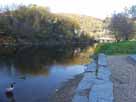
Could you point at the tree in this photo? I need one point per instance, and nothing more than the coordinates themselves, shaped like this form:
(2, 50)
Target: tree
(36, 24)
(132, 11)
(121, 26)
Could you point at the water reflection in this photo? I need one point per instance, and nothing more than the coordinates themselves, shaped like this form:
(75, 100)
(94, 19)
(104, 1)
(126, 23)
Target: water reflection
(37, 60)
(39, 71)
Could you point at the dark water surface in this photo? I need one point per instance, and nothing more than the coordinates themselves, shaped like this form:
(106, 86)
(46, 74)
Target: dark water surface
(38, 72)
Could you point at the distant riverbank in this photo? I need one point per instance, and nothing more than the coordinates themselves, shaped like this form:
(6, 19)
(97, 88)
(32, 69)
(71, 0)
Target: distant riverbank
(123, 47)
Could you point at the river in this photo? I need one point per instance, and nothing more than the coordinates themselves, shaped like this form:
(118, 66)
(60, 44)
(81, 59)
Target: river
(38, 72)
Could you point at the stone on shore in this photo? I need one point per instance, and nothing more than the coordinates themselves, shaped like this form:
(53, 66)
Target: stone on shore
(133, 58)
(101, 93)
(104, 74)
(91, 67)
(78, 98)
(102, 60)
(86, 82)
(98, 84)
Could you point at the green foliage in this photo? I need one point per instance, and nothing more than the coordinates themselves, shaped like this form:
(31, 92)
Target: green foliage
(35, 24)
(90, 25)
(124, 47)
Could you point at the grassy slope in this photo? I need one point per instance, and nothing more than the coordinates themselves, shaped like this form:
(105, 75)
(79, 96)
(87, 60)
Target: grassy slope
(124, 47)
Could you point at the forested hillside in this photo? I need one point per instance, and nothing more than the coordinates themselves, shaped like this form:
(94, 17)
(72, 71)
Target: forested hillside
(37, 25)
(91, 25)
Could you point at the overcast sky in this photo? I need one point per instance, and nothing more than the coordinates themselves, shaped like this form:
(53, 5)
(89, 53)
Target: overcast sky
(96, 8)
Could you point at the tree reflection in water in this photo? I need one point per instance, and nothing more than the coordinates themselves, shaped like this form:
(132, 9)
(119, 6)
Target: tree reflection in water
(45, 68)
(36, 60)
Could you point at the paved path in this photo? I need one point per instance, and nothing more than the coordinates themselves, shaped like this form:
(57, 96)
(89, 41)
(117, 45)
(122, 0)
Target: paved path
(123, 77)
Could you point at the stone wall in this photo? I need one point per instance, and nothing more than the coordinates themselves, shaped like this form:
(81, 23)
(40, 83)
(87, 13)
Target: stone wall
(96, 85)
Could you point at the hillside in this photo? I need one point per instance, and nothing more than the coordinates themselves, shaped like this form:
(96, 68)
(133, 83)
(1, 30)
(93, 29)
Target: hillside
(88, 24)
(37, 25)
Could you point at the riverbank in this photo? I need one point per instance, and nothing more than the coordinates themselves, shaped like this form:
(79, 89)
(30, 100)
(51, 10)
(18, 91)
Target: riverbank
(117, 48)
(87, 88)
(123, 76)
(66, 92)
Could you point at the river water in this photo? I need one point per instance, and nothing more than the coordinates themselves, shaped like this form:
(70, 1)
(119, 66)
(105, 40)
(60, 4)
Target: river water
(38, 72)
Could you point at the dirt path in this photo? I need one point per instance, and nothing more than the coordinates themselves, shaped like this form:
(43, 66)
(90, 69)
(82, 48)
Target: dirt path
(123, 78)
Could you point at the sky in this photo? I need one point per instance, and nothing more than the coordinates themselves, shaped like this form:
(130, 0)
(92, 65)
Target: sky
(95, 8)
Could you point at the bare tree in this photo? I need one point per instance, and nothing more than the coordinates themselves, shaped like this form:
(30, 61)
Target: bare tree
(121, 26)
